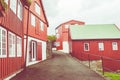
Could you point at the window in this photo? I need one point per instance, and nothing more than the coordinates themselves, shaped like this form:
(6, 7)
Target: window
(41, 25)
(56, 30)
(32, 20)
(57, 44)
(6, 1)
(19, 47)
(13, 4)
(114, 46)
(37, 8)
(101, 46)
(86, 46)
(3, 43)
(11, 44)
(66, 26)
(58, 36)
(19, 10)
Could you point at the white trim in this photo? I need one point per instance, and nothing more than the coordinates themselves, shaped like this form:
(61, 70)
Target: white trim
(13, 5)
(19, 46)
(114, 46)
(19, 10)
(65, 46)
(67, 26)
(12, 43)
(87, 46)
(37, 8)
(2, 29)
(101, 46)
(33, 22)
(13, 75)
(41, 25)
(28, 49)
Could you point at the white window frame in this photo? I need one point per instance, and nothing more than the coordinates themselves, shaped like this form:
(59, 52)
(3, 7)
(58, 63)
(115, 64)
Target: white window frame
(37, 8)
(2, 41)
(41, 25)
(33, 21)
(101, 46)
(67, 26)
(58, 36)
(13, 5)
(114, 46)
(19, 12)
(85, 47)
(56, 30)
(12, 44)
(6, 1)
(19, 46)
(57, 44)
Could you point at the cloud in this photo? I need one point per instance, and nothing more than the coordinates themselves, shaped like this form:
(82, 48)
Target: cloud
(91, 12)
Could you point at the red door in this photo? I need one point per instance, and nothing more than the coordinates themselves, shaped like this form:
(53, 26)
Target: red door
(39, 51)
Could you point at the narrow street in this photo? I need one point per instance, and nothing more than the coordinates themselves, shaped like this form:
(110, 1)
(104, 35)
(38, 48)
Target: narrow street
(60, 67)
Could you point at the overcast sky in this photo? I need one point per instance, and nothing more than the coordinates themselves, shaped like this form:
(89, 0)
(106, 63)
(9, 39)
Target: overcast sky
(88, 11)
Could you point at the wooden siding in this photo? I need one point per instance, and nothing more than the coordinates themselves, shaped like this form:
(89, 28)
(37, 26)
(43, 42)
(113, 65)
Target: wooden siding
(78, 48)
(35, 32)
(78, 51)
(10, 65)
(64, 32)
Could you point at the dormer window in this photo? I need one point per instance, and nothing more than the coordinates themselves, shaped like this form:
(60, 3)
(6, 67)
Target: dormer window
(66, 26)
(37, 8)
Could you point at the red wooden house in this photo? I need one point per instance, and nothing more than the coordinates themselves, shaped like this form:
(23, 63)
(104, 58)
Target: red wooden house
(62, 35)
(102, 40)
(11, 38)
(20, 25)
(35, 33)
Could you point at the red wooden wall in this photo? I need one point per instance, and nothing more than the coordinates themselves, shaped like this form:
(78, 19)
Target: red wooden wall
(78, 48)
(10, 65)
(78, 52)
(36, 32)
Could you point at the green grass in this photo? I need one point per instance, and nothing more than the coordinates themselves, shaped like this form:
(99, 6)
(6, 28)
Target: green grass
(113, 76)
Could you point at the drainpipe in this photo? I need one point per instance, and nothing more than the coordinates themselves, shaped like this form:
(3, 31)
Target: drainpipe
(26, 50)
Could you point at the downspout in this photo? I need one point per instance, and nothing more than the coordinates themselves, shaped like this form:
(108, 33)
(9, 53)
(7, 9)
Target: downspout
(26, 50)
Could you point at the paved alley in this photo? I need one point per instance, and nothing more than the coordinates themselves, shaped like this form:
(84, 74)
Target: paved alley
(60, 67)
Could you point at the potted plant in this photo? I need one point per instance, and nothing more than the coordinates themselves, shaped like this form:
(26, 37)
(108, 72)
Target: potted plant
(28, 2)
(3, 7)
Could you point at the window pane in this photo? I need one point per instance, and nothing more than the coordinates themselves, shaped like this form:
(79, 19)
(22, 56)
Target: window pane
(114, 46)
(19, 10)
(37, 8)
(101, 46)
(66, 26)
(12, 43)
(32, 20)
(19, 47)
(42, 25)
(86, 46)
(3, 42)
(13, 5)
